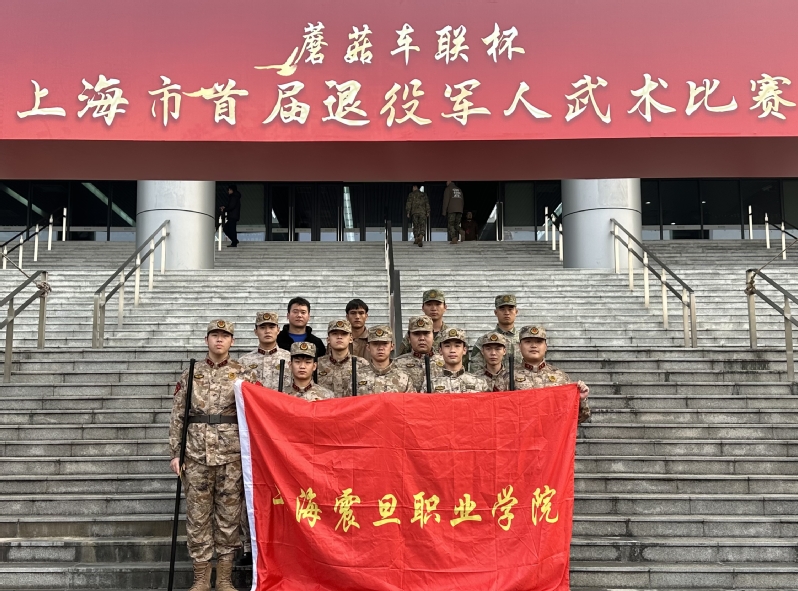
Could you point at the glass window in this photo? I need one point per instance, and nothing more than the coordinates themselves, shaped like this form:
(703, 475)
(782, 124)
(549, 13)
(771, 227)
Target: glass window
(791, 201)
(680, 204)
(720, 201)
(548, 195)
(649, 197)
(763, 197)
(519, 204)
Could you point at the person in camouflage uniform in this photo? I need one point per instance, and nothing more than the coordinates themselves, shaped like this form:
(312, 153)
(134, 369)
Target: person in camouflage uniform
(494, 348)
(454, 377)
(303, 364)
(381, 374)
(453, 210)
(536, 373)
(265, 360)
(506, 310)
(419, 333)
(418, 211)
(212, 470)
(433, 305)
(335, 368)
(357, 313)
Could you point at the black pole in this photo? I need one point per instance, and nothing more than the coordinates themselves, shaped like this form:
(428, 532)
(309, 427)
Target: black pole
(354, 375)
(429, 374)
(110, 212)
(282, 376)
(511, 368)
(189, 389)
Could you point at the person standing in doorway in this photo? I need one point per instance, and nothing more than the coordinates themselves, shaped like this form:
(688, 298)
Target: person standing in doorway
(470, 227)
(418, 212)
(233, 211)
(297, 329)
(453, 209)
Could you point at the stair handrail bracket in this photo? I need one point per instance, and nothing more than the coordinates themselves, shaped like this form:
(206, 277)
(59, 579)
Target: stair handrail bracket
(101, 298)
(751, 293)
(42, 290)
(686, 296)
(394, 289)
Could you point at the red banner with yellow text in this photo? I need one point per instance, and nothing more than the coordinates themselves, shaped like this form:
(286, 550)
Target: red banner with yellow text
(410, 491)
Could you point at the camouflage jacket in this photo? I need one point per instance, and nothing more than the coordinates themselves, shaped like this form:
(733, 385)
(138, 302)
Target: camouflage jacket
(458, 381)
(417, 203)
(360, 345)
(311, 393)
(337, 375)
(499, 382)
(212, 394)
(413, 365)
(266, 364)
(377, 381)
(405, 347)
(544, 375)
(476, 363)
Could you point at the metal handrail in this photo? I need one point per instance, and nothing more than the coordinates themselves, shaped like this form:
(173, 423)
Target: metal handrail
(394, 289)
(784, 233)
(43, 288)
(686, 297)
(751, 291)
(101, 298)
(35, 236)
(36, 223)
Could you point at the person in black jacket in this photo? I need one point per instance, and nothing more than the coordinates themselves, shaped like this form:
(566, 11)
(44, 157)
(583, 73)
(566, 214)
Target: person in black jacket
(297, 329)
(233, 210)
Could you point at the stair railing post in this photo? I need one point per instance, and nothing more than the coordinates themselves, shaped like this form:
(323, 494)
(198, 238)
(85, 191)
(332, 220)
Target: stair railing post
(152, 263)
(36, 245)
(545, 224)
(788, 340)
(750, 224)
(121, 299)
(553, 235)
(646, 296)
(767, 232)
(95, 322)
(163, 251)
(101, 327)
(693, 322)
(749, 282)
(137, 283)
(21, 246)
(50, 235)
(9, 342)
(664, 279)
(783, 243)
(219, 237)
(63, 225)
(42, 316)
(617, 249)
(560, 242)
(686, 317)
(631, 262)
(5, 254)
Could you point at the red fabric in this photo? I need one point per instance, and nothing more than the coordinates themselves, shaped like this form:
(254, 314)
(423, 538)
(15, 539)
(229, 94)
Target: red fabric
(402, 444)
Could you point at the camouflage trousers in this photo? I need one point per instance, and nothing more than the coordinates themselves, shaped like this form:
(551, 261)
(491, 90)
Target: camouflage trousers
(213, 508)
(419, 228)
(453, 227)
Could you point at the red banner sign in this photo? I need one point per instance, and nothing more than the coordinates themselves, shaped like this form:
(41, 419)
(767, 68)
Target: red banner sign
(410, 491)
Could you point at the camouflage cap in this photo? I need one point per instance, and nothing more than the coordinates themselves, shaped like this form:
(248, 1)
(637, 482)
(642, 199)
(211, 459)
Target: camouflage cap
(380, 334)
(534, 331)
(507, 299)
(454, 334)
(341, 324)
(419, 324)
(266, 318)
(433, 295)
(221, 324)
(493, 338)
(303, 349)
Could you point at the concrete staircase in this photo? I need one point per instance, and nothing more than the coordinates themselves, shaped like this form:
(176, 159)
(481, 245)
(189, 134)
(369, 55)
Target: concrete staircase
(686, 476)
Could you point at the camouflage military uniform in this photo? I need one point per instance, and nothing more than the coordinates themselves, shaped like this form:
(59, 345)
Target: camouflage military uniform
(429, 295)
(457, 381)
(266, 365)
(453, 209)
(212, 470)
(476, 364)
(376, 381)
(544, 375)
(360, 345)
(413, 365)
(418, 210)
(337, 375)
(312, 392)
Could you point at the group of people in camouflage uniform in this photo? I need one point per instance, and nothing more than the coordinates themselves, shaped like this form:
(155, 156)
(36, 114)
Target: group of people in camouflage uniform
(212, 474)
(417, 208)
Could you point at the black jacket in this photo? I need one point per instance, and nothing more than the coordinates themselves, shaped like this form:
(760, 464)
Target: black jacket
(284, 341)
(233, 207)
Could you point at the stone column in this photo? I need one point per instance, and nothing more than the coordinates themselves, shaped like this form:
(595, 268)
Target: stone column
(587, 208)
(190, 207)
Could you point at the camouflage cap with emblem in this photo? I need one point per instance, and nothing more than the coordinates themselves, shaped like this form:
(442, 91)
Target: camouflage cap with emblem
(421, 323)
(341, 324)
(303, 350)
(454, 334)
(221, 324)
(433, 295)
(534, 331)
(266, 318)
(493, 338)
(380, 334)
(504, 300)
